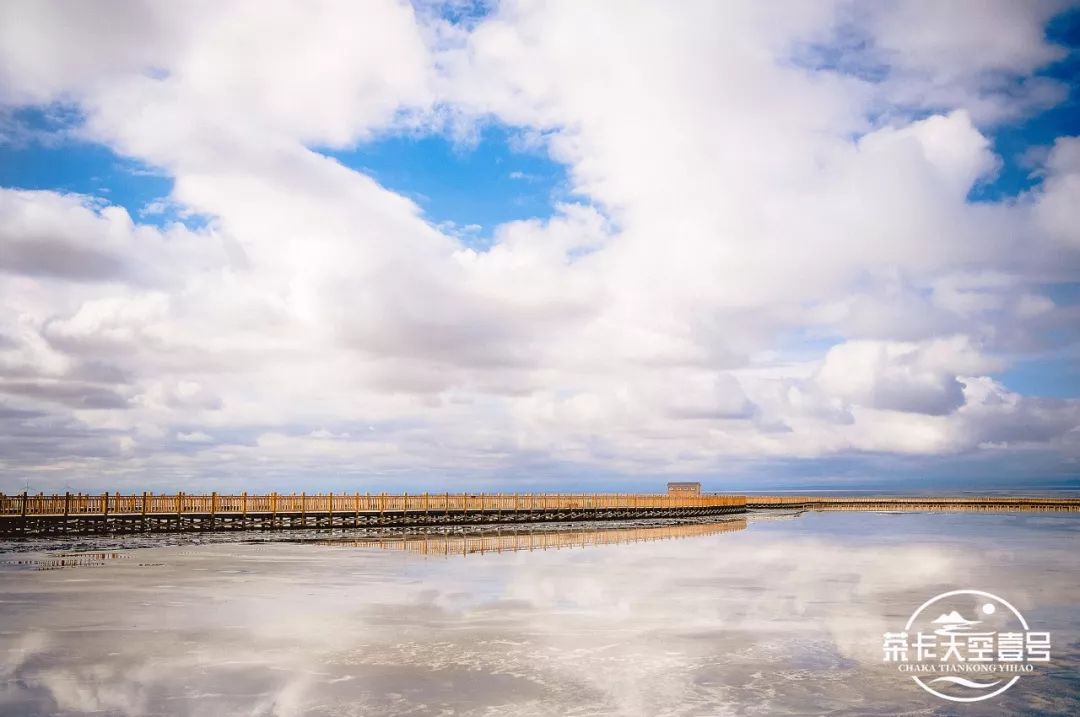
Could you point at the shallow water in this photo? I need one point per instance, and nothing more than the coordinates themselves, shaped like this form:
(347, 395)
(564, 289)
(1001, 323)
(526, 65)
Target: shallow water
(780, 615)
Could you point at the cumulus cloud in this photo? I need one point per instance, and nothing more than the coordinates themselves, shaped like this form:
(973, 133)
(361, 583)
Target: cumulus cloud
(900, 376)
(941, 55)
(773, 252)
(47, 235)
(1056, 207)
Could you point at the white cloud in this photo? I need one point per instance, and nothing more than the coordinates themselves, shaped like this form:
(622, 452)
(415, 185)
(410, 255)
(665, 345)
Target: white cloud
(898, 376)
(770, 258)
(957, 154)
(951, 54)
(1057, 209)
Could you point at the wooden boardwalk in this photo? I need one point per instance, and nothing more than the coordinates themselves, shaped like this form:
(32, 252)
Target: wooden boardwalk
(73, 514)
(115, 513)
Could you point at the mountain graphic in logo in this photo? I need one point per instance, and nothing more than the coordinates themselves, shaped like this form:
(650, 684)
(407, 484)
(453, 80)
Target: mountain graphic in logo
(953, 622)
(954, 618)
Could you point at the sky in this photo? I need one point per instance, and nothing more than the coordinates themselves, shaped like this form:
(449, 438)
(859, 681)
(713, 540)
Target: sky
(539, 245)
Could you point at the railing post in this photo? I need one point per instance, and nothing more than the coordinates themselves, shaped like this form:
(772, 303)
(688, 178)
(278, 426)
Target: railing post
(145, 500)
(243, 504)
(213, 504)
(67, 504)
(273, 510)
(22, 510)
(105, 504)
(303, 508)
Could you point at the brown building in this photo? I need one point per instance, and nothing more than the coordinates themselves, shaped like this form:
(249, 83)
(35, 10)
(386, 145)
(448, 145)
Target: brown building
(683, 488)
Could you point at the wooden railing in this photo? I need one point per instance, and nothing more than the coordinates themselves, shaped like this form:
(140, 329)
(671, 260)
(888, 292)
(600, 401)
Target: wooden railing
(243, 503)
(74, 504)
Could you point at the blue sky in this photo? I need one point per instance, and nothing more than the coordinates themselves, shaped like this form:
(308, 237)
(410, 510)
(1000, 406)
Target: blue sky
(43, 155)
(485, 181)
(653, 252)
(1013, 142)
(479, 182)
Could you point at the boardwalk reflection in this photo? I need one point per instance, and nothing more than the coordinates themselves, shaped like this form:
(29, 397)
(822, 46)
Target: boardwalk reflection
(446, 543)
(60, 561)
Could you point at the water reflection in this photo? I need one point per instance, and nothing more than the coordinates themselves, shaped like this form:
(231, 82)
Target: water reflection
(782, 618)
(462, 542)
(61, 561)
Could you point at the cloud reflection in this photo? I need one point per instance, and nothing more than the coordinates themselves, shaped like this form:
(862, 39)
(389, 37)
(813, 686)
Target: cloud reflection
(782, 618)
